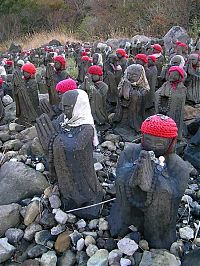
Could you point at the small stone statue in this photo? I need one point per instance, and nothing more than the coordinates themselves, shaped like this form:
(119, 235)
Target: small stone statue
(25, 111)
(121, 54)
(68, 144)
(83, 66)
(193, 78)
(151, 180)
(170, 98)
(132, 88)
(157, 52)
(97, 59)
(97, 93)
(112, 77)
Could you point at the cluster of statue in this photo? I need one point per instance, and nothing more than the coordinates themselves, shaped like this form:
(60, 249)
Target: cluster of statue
(135, 90)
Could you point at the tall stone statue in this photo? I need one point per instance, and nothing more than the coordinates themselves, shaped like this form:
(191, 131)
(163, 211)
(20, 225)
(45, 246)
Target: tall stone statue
(151, 180)
(132, 89)
(83, 66)
(69, 144)
(121, 54)
(97, 93)
(193, 78)
(112, 77)
(170, 98)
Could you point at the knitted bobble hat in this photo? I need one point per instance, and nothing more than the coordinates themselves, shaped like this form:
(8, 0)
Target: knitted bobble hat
(95, 70)
(66, 85)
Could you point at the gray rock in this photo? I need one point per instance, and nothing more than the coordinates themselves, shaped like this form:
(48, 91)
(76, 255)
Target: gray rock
(80, 244)
(9, 216)
(17, 177)
(42, 237)
(7, 100)
(91, 250)
(81, 224)
(40, 167)
(60, 216)
(37, 251)
(186, 233)
(93, 224)
(10, 114)
(98, 157)
(55, 201)
(100, 258)
(36, 148)
(103, 224)
(114, 257)
(98, 166)
(6, 250)
(89, 240)
(82, 258)
(28, 134)
(49, 259)
(177, 248)
(57, 229)
(159, 257)
(14, 235)
(109, 144)
(13, 144)
(112, 137)
(15, 48)
(127, 246)
(75, 236)
(67, 259)
(71, 218)
(31, 230)
(176, 33)
(125, 262)
(4, 136)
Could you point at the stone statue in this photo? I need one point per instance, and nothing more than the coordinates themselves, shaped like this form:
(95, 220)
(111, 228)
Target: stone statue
(193, 79)
(55, 74)
(2, 110)
(121, 55)
(160, 60)
(132, 89)
(83, 66)
(97, 93)
(170, 98)
(112, 77)
(151, 180)
(25, 111)
(68, 144)
(97, 59)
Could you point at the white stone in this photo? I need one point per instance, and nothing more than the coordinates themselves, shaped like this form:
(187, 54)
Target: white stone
(80, 244)
(127, 246)
(103, 224)
(81, 224)
(61, 217)
(91, 250)
(109, 144)
(89, 240)
(186, 233)
(7, 100)
(93, 224)
(12, 126)
(100, 258)
(125, 262)
(6, 250)
(187, 199)
(98, 166)
(114, 257)
(49, 259)
(40, 167)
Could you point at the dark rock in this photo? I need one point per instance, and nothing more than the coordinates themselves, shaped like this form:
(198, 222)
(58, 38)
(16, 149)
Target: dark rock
(110, 244)
(37, 251)
(31, 263)
(14, 235)
(100, 243)
(67, 259)
(15, 48)
(54, 42)
(42, 237)
(17, 177)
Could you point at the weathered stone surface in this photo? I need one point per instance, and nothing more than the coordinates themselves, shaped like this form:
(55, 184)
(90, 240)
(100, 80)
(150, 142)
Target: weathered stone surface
(10, 114)
(31, 263)
(42, 237)
(67, 259)
(186, 233)
(27, 134)
(9, 216)
(100, 258)
(159, 257)
(14, 235)
(114, 257)
(13, 144)
(49, 259)
(31, 230)
(17, 177)
(127, 246)
(190, 112)
(176, 33)
(6, 250)
(36, 251)
(7, 100)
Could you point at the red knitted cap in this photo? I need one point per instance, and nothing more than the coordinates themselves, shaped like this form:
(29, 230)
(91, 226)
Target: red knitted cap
(157, 47)
(66, 85)
(9, 62)
(178, 69)
(160, 126)
(84, 53)
(96, 70)
(181, 44)
(85, 58)
(153, 58)
(142, 57)
(121, 51)
(29, 67)
(61, 60)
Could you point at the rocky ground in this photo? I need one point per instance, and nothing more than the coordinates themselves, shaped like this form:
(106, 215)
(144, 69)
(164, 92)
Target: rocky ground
(34, 229)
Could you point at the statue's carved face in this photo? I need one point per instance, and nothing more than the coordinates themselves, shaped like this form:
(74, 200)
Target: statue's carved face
(68, 102)
(150, 62)
(26, 74)
(156, 144)
(95, 59)
(133, 73)
(95, 78)
(174, 76)
(193, 59)
(175, 61)
(57, 65)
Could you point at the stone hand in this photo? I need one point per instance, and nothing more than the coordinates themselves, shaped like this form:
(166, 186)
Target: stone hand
(45, 130)
(144, 171)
